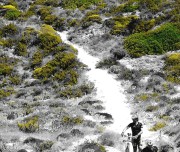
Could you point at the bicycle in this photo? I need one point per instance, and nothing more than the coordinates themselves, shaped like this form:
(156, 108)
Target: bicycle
(127, 139)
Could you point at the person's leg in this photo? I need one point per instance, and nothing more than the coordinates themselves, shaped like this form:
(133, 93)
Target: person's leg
(134, 144)
(135, 148)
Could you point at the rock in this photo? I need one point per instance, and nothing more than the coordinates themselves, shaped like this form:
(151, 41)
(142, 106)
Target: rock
(76, 132)
(105, 115)
(12, 116)
(32, 140)
(88, 147)
(63, 136)
(21, 93)
(118, 53)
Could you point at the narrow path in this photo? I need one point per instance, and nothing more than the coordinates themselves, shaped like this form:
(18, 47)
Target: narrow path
(109, 90)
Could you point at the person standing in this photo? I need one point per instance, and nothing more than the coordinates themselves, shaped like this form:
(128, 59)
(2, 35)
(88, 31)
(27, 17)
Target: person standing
(136, 128)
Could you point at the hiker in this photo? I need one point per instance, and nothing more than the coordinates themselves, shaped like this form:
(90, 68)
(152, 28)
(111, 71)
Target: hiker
(136, 128)
(150, 147)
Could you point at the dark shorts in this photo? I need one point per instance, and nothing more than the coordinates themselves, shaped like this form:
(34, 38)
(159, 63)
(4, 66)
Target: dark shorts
(136, 142)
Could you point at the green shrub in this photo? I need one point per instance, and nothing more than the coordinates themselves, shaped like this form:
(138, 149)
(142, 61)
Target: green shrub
(153, 5)
(144, 26)
(12, 14)
(158, 126)
(73, 22)
(158, 41)
(59, 23)
(106, 63)
(6, 92)
(50, 19)
(12, 3)
(7, 42)
(89, 19)
(20, 49)
(43, 72)
(9, 30)
(5, 69)
(44, 11)
(142, 97)
(15, 80)
(151, 108)
(30, 125)
(70, 93)
(68, 77)
(120, 23)
(37, 59)
(48, 39)
(9, 7)
(72, 120)
(91, 146)
(53, 3)
(73, 4)
(172, 67)
(29, 36)
(65, 60)
(45, 145)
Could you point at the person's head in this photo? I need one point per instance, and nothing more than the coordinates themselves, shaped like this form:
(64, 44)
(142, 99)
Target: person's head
(135, 118)
(149, 143)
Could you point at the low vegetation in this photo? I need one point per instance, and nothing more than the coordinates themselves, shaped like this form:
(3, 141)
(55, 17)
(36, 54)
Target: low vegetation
(172, 67)
(29, 125)
(158, 41)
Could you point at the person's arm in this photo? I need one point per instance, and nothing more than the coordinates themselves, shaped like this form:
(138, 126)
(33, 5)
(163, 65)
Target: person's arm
(126, 128)
(136, 136)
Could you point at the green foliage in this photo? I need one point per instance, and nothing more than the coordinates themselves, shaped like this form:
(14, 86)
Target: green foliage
(50, 19)
(158, 126)
(73, 4)
(53, 3)
(29, 36)
(21, 49)
(9, 7)
(45, 145)
(73, 22)
(15, 80)
(6, 92)
(153, 5)
(48, 39)
(30, 125)
(9, 30)
(7, 42)
(37, 59)
(11, 3)
(147, 96)
(43, 72)
(151, 108)
(70, 92)
(106, 63)
(158, 41)
(68, 77)
(89, 18)
(12, 14)
(142, 97)
(91, 146)
(78, 91)
(172, 67)
(44, 11)
(72, 120)
(5, 69)
(65, 60)
(121, 23)
(144, 26)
